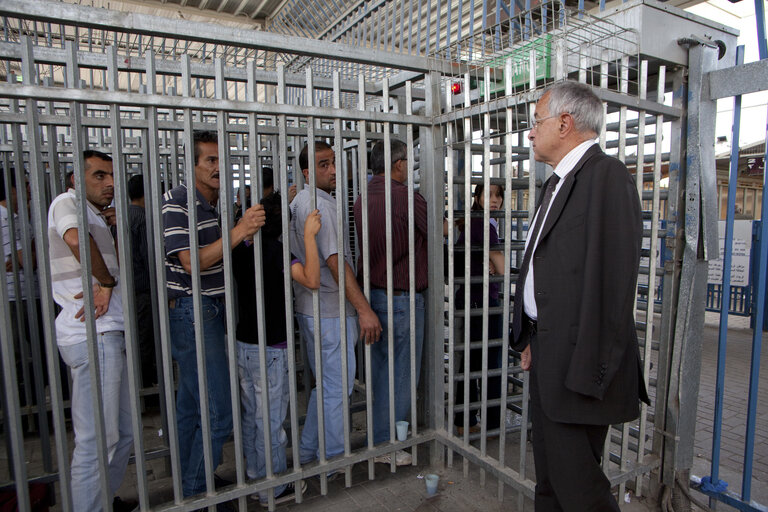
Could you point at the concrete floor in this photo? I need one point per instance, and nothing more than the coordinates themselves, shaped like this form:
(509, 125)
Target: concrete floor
(405, 490)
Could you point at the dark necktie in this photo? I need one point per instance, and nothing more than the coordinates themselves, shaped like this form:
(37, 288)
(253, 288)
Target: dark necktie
(517, 318)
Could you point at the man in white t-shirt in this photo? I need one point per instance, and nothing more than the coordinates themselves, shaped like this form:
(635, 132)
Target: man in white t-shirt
(66, 277)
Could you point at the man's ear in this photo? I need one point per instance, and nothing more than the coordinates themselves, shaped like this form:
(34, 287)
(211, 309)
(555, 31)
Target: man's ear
(305, 172)
(567, 125)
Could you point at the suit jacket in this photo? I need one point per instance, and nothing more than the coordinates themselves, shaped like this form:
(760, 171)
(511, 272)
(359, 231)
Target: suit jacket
(586, 358)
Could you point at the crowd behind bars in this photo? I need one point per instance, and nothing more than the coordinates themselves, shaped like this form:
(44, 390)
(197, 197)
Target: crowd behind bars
(574, 396)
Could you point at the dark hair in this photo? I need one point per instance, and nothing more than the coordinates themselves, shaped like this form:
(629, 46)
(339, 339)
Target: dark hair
(398, 151)
(201, 137)
(267, 178)
(136, 187)
(478, 193)
(92, 153)
(304, 155)
(273, 226)
(2, 182)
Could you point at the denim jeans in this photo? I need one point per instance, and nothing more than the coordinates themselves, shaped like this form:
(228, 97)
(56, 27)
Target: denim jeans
(253, 408)
(113, 371)
(182, 320)
(330, 332)
(401, 356)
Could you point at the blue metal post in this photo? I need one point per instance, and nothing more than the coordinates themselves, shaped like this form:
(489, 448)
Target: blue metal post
(757, 335)
(725, 297)
(762, 46)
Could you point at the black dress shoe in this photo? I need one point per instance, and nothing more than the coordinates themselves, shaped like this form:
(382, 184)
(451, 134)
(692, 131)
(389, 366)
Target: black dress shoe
(119, 505)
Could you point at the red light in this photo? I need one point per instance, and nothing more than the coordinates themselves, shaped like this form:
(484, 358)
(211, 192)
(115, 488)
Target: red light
(456, 88)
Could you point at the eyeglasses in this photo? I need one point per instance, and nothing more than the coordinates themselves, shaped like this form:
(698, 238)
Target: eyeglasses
(536, 122)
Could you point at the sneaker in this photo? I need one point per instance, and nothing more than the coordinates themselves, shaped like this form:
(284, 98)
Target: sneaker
(119, 505)
(288, 494)
(402, 458)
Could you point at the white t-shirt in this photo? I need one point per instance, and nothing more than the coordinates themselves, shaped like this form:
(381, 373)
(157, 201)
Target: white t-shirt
(66, 270)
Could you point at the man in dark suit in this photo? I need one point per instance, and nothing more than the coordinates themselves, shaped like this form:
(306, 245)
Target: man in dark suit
(574, 302)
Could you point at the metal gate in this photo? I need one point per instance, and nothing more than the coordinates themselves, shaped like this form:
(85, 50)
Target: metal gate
(137, 87)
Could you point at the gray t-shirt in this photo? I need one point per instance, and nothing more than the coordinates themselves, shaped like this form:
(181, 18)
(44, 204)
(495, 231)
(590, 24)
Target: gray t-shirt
(326, 246)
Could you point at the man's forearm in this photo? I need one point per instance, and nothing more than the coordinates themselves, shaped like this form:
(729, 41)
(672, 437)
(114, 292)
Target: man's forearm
(98, 266)
(353, 293)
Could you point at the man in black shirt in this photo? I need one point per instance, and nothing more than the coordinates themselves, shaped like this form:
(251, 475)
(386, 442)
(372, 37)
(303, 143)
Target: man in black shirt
(249, 368)
(137, 220)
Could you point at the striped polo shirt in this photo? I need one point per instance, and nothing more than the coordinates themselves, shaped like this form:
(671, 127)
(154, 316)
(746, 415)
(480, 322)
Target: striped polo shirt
(176, 232)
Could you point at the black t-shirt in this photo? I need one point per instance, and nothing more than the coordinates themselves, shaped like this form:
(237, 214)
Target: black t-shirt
(274, 291)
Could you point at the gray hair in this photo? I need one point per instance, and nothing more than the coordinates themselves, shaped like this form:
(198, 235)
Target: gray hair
(398, 151)
(578, 100)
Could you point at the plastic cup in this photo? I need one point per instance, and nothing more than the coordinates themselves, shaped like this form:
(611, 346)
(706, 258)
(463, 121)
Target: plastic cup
(402, 430)
(431, 479)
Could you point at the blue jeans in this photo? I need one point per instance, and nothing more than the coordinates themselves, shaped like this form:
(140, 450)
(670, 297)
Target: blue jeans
(401, 356)
(253, 407)
(113, 371)
(330, 332)
(182, 320)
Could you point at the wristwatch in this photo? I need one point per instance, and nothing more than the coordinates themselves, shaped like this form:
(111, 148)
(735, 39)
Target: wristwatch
(109, 285)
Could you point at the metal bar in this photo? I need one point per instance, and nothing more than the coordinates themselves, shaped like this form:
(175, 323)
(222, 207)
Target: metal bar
(412, 269)
(451, 165)
(30, 291)
(315, 293)
(486, 270)
(727, 257)
(79, 144)
(390, 285)
(507, 277)
(363, 180)
(757, 341)
(194, 252)
(181, 102)
(125, 250)
(225, 205)
(341, 233)
(282, 145)
(762, 43)
(468, 136)
(737, 80)
(11, 416)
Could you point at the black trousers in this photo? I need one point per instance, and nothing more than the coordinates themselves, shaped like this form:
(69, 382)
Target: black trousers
(567, 457)
(494, 413)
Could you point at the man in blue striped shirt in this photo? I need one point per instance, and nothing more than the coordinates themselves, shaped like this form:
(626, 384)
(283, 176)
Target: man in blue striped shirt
(178, 268)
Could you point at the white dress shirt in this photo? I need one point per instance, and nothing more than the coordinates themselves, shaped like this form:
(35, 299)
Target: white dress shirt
(565, 166)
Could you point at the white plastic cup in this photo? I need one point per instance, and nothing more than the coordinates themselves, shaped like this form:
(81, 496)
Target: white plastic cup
(431, 479)
(402, 430)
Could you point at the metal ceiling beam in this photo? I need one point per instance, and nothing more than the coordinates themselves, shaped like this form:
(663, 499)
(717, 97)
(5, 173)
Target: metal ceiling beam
(57, 12)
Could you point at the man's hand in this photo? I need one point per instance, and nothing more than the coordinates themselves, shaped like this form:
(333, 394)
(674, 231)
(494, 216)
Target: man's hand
(110, 216)
(9, 265)
(253, 218)
(313, 224)
(101, 297)
(525, 358)
(291, 193)
(370, 327)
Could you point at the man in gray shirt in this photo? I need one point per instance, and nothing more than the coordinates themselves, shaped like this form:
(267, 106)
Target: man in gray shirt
(330, 316)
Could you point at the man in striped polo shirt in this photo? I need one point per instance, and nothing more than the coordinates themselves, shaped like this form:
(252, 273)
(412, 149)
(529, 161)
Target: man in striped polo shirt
(178, 268)
(66, 278)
